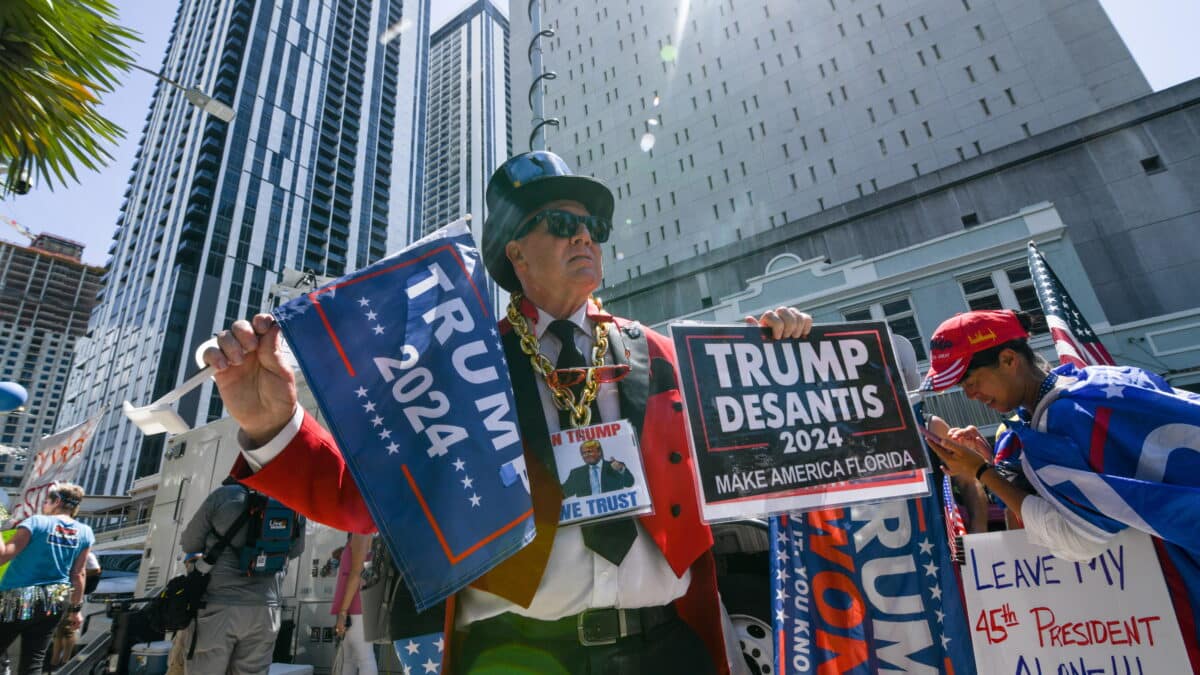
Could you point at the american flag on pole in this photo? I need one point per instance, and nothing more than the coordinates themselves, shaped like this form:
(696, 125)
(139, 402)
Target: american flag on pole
(1074, 339)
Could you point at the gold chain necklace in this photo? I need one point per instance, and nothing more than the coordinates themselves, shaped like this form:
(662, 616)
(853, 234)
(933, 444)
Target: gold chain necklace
(563, 397)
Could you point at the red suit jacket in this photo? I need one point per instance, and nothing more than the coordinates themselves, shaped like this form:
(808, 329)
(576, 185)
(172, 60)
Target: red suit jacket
(311, 476)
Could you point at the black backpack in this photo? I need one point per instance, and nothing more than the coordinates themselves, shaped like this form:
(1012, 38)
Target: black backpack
(176, 605)
(180, 601)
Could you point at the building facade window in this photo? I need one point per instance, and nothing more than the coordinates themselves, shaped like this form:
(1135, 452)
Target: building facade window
(1007, 288)
(899, 315)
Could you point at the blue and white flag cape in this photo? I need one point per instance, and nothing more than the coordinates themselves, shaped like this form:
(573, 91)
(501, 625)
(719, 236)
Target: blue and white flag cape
(867, 589)
(406, 364)
(1121, 448)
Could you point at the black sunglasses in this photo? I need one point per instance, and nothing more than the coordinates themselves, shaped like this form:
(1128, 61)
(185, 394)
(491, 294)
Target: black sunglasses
(565, 224)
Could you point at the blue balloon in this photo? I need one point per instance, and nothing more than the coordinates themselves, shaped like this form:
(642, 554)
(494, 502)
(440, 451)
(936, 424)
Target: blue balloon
(12, 396)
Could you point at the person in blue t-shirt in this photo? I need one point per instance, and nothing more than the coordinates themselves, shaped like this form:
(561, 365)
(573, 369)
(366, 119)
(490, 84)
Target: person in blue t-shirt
(45, 577)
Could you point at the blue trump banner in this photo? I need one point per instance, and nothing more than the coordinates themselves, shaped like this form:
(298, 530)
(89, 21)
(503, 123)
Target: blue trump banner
(867, 589)
(404, 360)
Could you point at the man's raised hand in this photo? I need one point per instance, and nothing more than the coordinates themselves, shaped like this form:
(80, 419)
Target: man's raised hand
(257, 387)
(784, 322)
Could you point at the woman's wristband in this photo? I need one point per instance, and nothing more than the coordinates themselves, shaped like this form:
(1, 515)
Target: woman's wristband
(980, 471)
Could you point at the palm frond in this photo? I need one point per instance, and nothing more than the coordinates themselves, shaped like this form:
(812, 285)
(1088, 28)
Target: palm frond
(57, 60)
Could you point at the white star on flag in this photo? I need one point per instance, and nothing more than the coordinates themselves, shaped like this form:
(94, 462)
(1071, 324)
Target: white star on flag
(369, 406)
(781, 574)
(371, 316)
(430, 666)
(360, 392)
(940, 615)
(779, 615)
(931, 569)
(393, 449)
(385, 434)
(475, 499)
(945, 641)
(378, 330)
(459, 464)
(936, 591)
(363, 302)
(926, 547)
(412, 647)
(781, 555)
(467, 482)
(781, 594)
(440, 644)
(376, 421)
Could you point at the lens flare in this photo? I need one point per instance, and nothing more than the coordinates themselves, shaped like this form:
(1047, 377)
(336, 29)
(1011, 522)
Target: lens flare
(647, 142)
(393, 31)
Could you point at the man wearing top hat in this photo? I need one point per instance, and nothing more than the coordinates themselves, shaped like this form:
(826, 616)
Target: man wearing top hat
(637, 595)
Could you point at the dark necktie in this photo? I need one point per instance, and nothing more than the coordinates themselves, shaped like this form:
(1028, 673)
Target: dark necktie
(613, 538)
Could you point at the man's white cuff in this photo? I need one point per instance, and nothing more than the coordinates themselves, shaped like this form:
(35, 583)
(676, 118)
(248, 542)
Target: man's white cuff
(257, 458)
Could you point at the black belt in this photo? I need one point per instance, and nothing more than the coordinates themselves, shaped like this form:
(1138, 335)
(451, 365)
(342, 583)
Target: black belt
(591, 627)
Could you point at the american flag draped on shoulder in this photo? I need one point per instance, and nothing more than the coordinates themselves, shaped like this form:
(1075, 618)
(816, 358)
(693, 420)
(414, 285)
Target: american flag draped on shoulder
(1117, 448)
(867, 589)
(405, 361)
(1073, 337)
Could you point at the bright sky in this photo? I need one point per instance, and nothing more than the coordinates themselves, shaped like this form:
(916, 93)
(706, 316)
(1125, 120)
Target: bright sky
(1160, 33)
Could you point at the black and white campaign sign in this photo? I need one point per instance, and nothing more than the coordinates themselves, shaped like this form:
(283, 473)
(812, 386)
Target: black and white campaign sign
(785, 425)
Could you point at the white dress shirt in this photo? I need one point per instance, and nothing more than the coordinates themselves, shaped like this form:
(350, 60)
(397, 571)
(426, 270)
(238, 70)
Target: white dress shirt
(576, 578)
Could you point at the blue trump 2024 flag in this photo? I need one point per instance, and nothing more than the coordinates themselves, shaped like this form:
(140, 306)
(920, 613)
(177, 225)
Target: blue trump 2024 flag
(867, 589)
(406, 364)
(1118, 447)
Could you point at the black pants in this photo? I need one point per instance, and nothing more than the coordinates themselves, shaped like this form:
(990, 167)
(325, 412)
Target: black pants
(499, 646)
(35, 635)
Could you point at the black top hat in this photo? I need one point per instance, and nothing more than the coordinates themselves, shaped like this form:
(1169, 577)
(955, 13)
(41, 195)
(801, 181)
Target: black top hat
(519, 187)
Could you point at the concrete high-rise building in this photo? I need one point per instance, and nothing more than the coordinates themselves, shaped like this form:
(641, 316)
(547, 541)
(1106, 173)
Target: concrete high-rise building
(320, 170)
(468, 131)
(714, 121)
(46, 296)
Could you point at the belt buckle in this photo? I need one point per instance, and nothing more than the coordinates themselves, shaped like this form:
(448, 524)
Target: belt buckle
(599, 627)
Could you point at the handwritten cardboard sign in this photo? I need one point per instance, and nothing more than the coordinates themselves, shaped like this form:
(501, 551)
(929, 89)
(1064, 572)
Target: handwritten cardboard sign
(785, 425)
(1034, 614)
(57, 459)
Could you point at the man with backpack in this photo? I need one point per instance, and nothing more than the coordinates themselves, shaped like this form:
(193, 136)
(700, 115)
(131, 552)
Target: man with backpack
(235, 629)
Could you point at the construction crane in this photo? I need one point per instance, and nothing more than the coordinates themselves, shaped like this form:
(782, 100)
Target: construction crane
(19, 227)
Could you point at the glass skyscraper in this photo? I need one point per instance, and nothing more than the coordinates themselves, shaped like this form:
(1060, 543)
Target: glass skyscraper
(469, 132)
(319, 171)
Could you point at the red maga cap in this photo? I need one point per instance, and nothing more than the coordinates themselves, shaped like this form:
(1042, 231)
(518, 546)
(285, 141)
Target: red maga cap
(961, 337)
